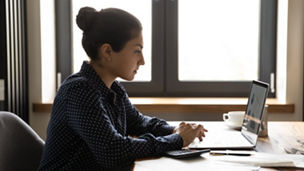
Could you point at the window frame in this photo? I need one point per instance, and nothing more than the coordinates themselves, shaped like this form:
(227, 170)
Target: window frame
(164, 82)
(63, 39)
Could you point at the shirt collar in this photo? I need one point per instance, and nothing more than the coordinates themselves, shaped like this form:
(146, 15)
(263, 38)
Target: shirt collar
(116, 91)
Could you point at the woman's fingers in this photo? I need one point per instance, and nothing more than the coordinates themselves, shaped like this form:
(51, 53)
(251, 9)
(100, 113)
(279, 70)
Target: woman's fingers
(182, 123)
(201, 132)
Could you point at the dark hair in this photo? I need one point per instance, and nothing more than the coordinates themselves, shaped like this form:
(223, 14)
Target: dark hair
(111, 25)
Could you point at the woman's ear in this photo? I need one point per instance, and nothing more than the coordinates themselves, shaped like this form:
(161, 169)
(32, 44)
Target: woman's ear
(106, 51)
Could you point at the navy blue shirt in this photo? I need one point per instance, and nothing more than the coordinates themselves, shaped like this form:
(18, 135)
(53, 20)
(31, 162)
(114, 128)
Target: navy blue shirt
(91, 125)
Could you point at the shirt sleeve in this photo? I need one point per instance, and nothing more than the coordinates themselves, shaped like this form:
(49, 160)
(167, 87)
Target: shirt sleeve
(138, 124)
(111, 149)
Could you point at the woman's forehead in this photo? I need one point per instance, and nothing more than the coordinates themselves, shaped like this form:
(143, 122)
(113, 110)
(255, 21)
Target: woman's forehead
(137, 41)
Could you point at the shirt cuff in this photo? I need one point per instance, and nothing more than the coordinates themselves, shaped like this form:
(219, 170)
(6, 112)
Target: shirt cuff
(176, 142)
(179, 141)
(167, 129)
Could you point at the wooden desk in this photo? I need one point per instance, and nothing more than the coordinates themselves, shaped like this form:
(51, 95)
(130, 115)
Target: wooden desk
(281, 135)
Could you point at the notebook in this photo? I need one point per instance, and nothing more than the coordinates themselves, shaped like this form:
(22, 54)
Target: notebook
(225, 138)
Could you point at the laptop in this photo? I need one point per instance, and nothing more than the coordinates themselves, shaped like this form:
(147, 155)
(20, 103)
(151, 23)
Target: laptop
(223, 137)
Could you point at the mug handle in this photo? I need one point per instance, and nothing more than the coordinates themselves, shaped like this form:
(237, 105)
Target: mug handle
(225, 116)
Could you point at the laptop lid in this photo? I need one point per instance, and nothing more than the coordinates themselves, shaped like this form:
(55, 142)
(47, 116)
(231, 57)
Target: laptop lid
(222, 138)
(254, 111)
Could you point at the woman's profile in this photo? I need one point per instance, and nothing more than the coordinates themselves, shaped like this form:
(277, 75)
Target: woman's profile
(93, 124)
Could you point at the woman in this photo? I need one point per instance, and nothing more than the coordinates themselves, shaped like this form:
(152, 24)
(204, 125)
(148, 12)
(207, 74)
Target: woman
(92, 118)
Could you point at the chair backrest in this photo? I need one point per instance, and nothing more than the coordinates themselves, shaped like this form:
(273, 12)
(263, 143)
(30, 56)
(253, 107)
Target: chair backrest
(20, 146)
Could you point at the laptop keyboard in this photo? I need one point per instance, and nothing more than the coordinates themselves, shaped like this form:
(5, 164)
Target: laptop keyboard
(233, 139)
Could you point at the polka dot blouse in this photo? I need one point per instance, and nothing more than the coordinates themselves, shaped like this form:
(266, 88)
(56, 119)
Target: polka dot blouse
(93, 127)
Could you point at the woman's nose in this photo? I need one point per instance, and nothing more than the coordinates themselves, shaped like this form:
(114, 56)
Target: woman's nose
(142, 60)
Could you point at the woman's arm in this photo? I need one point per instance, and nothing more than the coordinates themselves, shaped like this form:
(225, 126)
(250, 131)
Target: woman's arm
(138, 124)
(87, 118)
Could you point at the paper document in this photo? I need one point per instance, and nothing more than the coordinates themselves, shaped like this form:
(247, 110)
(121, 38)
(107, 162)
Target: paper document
(262, 159)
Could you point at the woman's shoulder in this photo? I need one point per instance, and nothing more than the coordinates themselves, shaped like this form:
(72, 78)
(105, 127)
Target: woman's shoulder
(76, 79)
(75, 83)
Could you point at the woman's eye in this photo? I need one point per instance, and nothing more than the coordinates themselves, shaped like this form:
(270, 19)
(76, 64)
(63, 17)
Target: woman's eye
(138, 51)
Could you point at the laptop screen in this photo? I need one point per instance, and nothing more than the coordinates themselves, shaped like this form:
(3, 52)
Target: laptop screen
(254, 110)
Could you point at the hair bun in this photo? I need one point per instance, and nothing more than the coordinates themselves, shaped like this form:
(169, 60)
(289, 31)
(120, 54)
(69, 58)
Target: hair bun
(85, 17)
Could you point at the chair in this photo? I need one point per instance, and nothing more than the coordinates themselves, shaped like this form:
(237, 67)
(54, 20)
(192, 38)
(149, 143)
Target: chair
(20, 146)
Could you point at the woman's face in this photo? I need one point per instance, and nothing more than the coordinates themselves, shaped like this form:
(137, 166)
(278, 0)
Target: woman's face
(125, 63)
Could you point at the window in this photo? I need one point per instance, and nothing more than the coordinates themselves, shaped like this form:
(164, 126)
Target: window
(192, 47)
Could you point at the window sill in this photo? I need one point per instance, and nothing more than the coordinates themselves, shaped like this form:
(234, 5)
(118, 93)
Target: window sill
(190, 105)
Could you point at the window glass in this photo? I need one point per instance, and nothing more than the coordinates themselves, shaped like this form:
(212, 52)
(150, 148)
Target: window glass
(218, 40)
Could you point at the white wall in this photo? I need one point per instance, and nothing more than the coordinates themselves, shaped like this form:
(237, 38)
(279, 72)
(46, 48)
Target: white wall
(295, 55)
(39, 36)
(291, 87)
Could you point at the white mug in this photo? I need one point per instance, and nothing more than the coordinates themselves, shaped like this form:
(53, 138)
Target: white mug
(234, 118)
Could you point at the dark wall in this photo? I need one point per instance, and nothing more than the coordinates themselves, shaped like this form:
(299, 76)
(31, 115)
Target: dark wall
(13, 57)
(3, 61)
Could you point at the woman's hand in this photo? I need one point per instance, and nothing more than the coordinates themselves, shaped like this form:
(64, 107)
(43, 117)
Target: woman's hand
(189, 132)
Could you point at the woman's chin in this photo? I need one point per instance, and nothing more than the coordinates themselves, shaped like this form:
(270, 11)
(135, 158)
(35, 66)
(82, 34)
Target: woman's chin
(129, 78)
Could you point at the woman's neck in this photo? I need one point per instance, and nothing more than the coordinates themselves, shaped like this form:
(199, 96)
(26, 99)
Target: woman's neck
(103, 74)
